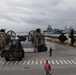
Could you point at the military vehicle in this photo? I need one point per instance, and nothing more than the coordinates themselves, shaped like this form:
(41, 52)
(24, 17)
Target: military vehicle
(38, 39)
(13, 50)
(10, 46)
(5, 37)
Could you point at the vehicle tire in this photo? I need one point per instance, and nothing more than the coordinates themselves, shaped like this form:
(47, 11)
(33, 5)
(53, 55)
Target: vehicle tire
(39, 49)
(7, 59)
(45, 48)
(20, 58)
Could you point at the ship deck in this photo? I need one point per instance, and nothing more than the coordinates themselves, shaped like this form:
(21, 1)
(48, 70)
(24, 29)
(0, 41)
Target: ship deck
(27, 46)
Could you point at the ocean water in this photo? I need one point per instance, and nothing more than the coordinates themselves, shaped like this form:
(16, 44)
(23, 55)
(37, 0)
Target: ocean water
(59, 34)
(26, 33)
(22, 33)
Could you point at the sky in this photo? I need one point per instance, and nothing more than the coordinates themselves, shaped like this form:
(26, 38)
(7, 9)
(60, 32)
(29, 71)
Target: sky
(26, 15)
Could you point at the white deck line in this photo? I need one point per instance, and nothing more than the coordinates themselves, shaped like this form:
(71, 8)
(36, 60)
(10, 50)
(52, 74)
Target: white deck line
(49, 62)
(73, 61)
(19, 62)
(3, 63)
(40, 62)
(69, 61)
(16, 62)
(32, 62)
(28, 62)
(36, 62)
(52, 61)
(56, 61)
(7, 63)
(44, 61)
(65, 62)
(11, 62)
(61, 61)
(24, 62)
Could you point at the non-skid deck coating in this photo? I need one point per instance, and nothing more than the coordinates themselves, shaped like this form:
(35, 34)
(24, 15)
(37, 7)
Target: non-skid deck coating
(27, 46)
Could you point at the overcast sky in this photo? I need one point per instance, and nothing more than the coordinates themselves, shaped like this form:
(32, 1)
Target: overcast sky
(26, 15)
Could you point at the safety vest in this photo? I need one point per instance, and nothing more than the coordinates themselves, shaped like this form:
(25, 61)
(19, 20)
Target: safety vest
(47, 66)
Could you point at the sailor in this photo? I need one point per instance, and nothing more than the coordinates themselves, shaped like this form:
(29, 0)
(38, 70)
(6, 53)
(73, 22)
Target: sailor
(47, 68)
(50, 51)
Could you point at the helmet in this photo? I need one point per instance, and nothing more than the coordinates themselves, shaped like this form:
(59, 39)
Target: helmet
(46, 60)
